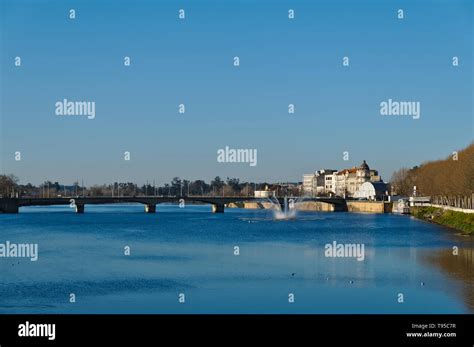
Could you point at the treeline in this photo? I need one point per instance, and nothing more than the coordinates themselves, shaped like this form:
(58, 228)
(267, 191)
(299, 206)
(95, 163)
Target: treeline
(453, 176)
(9, 187)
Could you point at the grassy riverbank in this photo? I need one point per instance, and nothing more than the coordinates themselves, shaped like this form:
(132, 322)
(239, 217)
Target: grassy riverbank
(463, 222)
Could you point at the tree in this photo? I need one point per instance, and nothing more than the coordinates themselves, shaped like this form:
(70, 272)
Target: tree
(401, 183)
(233, 183)
(8, 185)
(199, 187)
(217, 182)
(176, 183)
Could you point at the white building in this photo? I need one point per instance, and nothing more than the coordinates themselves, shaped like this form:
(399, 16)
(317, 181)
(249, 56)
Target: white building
(309, 184)
(349, 181)
(330, 183)
(264, 193)
(320, 182)
(372, 191)
(326, 181)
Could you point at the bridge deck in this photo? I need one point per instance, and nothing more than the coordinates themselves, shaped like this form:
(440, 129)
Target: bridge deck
(11, 205)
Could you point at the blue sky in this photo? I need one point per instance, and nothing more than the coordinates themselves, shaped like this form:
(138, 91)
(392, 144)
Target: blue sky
(191, 61)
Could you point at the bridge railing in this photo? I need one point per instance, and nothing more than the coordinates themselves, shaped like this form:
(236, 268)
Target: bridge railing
(457, 201)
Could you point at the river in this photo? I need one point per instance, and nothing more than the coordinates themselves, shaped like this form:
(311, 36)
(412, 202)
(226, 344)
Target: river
(188, 260)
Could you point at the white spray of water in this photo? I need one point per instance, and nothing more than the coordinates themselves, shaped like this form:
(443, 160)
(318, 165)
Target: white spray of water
(288, 210)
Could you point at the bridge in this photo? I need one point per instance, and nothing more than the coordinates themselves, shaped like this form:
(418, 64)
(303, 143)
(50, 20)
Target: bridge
(12, 205)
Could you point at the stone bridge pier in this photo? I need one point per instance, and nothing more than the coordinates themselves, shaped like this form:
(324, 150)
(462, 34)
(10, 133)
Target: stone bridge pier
(9, 206)
(217, 208)
(150, 208)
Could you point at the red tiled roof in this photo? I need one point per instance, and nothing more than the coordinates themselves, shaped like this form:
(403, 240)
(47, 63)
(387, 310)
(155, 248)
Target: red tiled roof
(344, 171)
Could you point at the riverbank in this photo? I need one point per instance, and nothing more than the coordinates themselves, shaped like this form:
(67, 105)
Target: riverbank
(463, 222)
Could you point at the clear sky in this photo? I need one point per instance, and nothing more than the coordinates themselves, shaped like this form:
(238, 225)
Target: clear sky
(190, 61)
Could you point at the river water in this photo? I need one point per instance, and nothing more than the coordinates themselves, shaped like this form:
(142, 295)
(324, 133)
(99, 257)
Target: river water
(184, 260)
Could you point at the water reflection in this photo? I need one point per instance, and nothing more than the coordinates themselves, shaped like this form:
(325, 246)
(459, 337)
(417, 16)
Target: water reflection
(458, 267)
